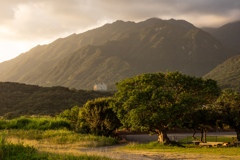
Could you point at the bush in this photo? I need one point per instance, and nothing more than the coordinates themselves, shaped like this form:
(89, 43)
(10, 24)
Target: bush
(75, 116)
(100, 118)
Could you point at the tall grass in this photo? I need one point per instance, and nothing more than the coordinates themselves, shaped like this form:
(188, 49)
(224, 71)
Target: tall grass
(10, 151)
(50, 130)
(60, 137)
(35, 123)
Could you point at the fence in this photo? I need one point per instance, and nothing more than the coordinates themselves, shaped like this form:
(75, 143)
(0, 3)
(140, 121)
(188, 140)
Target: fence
(188, 139)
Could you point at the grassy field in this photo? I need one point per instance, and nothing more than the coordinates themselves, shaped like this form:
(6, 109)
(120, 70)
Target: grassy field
(51, 131)
(46, 138)
(35, 123)
(185, 148)
(19, 151)
(59, 137)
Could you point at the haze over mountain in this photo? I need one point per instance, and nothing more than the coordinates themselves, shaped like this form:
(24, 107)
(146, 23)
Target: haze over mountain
(228, 34)
(116, 51)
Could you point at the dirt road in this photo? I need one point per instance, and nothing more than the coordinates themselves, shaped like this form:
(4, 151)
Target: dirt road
(116, 153)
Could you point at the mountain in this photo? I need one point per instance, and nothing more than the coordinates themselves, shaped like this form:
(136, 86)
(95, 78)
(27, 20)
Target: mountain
(227, 74)
(115, 51)
(24, 99)
(228, 34)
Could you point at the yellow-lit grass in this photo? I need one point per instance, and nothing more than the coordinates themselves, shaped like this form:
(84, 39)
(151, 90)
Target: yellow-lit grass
(60, 137)
(46, 144)
(74, 149)
(46, 147)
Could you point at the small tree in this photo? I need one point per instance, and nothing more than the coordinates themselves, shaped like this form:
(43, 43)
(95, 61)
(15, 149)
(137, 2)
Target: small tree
(100, 118)
(202, 119)
(229, 106)
(75, 116)
(158, 102)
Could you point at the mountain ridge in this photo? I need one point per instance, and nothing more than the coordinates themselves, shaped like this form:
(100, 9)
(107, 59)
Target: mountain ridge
(115, 51)
(228, 34)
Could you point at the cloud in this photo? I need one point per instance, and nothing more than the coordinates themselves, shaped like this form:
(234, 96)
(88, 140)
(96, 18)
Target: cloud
(45, 20)
(177, 9)
(28, 19)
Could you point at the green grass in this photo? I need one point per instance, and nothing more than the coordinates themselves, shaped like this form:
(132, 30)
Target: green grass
(50, 130)
(35, 123)
(186, 148)
(10, 151)
(60, 137)
(209, 139)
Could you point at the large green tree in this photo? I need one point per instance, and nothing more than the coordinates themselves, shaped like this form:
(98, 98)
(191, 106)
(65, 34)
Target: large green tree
(158, 102)
(229, 105)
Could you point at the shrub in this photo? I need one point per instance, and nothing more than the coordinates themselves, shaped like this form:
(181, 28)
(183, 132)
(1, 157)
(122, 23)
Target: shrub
(100, 118)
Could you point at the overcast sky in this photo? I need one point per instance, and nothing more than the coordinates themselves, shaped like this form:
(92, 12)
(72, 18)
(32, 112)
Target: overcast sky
(27, 23)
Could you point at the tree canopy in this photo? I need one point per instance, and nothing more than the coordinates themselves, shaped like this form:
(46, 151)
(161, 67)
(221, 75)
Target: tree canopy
(157, 102)
(204, 118)
(229, 106)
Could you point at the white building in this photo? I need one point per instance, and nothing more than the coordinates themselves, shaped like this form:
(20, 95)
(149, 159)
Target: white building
(100, 87)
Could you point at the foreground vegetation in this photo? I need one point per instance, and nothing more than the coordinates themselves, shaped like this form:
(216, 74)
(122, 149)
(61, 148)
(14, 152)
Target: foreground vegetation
(184, 148)
(27, 136)
(35, 123)
(51, 130)
(19, 151)
(60, 137)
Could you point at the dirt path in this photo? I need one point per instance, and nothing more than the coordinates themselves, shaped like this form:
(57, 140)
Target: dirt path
(115, 153)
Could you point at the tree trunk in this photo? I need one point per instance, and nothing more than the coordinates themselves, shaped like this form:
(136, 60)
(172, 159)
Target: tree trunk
(205, 137)
(193, 137)
(201, 135)
(237, 130)
(162, 137)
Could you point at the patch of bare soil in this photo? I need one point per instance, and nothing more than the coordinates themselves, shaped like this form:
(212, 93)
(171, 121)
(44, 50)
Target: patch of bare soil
(114, 153)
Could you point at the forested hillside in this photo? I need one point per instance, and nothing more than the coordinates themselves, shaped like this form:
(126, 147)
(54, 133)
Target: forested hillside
(33, 100)
(227, 74)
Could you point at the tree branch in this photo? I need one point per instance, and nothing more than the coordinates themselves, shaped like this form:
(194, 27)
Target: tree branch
(195, 137)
